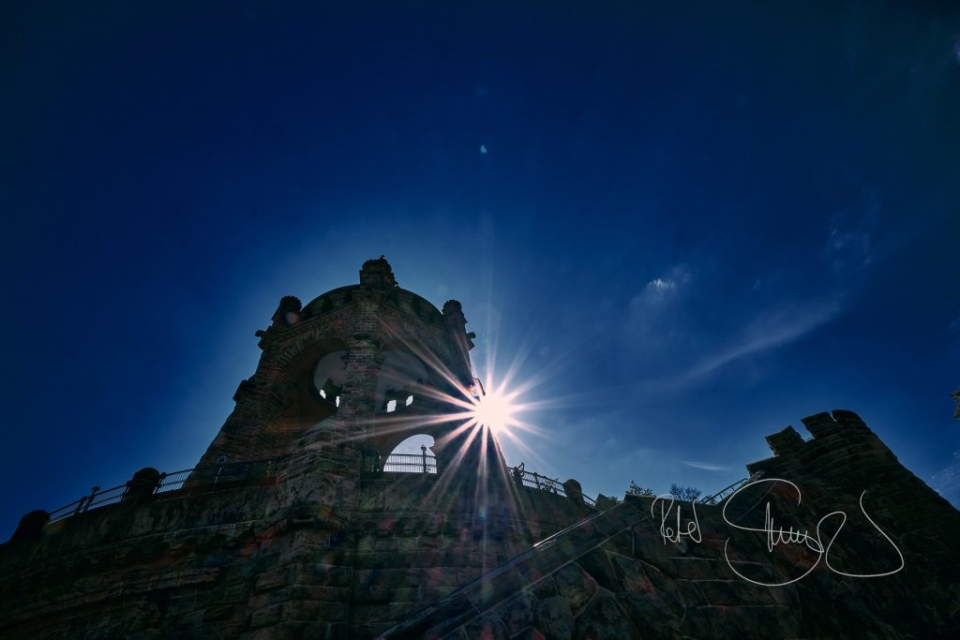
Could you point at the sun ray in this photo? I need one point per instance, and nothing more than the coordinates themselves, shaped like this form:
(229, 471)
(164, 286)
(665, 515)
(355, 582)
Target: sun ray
(479, 415)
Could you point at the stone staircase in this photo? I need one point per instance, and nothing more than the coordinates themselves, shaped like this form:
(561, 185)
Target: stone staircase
(471, 608)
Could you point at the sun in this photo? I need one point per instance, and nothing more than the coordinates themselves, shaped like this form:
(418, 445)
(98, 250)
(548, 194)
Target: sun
(495, 411)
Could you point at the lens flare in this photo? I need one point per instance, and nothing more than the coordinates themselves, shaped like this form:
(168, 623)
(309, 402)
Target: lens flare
(494, 411)
(478, 416)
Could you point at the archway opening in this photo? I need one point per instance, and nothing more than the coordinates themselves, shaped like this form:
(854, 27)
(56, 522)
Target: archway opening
(401, 374)
(328, 377)
(413, 455)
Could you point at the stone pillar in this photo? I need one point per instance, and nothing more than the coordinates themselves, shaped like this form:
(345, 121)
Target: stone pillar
(143, 484)
(358, 400)
(574, 491)
(456, 324)
(31, 526)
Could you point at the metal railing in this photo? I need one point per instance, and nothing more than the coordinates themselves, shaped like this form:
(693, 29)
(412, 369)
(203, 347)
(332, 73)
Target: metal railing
(167, 482)
(210, 475)
(95, 499)
(410, 463)
(543, 483)
(103, 497)
(721, 495)
(173, 481)
(534, 480)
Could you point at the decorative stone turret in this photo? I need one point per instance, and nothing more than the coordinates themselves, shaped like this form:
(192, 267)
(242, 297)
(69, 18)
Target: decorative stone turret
(377, 274)
(288, 312)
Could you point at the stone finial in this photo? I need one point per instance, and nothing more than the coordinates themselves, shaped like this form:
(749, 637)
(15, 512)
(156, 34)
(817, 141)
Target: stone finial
(451, 307)
(377, 274)
(288, 312)
(290, 303)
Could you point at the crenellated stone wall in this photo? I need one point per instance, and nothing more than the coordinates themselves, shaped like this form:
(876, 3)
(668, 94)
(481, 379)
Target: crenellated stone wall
(886, 568)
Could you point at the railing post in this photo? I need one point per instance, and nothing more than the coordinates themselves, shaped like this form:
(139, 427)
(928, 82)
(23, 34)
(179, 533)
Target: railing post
(93, 492)
(163, 476)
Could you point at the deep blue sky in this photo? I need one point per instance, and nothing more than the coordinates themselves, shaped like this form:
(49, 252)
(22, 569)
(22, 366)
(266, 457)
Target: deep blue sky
(695, 223)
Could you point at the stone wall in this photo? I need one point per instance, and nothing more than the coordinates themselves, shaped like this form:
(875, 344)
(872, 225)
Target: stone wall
(312, 551)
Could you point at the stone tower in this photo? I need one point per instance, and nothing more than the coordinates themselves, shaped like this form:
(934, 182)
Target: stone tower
(355, 372)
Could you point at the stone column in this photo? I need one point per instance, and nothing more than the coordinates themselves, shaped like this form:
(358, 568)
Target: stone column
(358, 401)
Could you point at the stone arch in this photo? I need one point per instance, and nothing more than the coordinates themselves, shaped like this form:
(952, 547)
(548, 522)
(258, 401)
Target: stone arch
(305, 406)
(329, 375)
(390, 432)
(301, 357)
(413, 455)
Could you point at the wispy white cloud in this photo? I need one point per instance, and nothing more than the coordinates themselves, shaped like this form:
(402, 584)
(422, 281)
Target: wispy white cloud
(770, 330)
(651, 318)
(775, 328)
(662, 285)
(682, 342)
(705, 466)
(848, 248)
(661, 289)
